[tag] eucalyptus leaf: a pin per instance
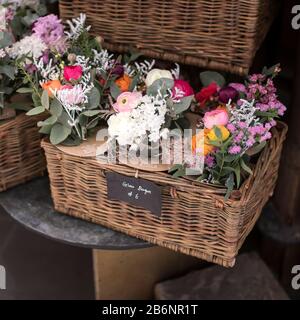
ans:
(161, 85)
(94, 98)
(35, 111)
(49, 121)
(8, 70)
(59, 133)
(24, 90)
(45, 129)
(45, 99)
(183, 105)
(114, 90)
(207, 77)
(56, 108)
(6, 39)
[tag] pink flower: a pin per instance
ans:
(127, 101)
(72, 72)
(234, 149)
(181, 89)
(218, 117)
(237, 86)
(70, 95)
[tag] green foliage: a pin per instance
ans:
(207, 77)
(162, 85)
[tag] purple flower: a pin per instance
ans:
(45, 57)
(30, 68)
(227, 93)
(231, 127)
(50, 30)
(250, 142)
(266, 136)
(238, 86)
(234, 150)
(118, 69)
(210, 161)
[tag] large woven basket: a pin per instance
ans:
(195, 219)
(214, 34)
(21, 156)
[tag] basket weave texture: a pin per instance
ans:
(21, 156)
(214, 34)
(195, 219)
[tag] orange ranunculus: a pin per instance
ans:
(198, 139)
(51, 85)
(124, 82)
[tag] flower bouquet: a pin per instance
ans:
(237, 121)
(21, 155)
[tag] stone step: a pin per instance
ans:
(249, 279)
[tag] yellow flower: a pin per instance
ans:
(224, 134)
(198, 139)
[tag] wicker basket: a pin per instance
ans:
(195, 220)
(21, 156)
(214, 34)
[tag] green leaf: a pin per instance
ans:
(207, 77)
(229, 184)
(45, 99)
(24, 90)
(6, 39)
(270, 71)
(8, 70)
(56, 108)
(237, 171)
(94, 98)
(175, 167)
(256, 149)
(36, 99)
(179, 173)
(59, 133)
(35, 111)
(230, 158)
(183, 105)
(114, 90)
(91, 113)
(245, 167)
(49, 121)
(133, 83)
(218, 133)
(162, 85)
(45, 129)
(134, 55)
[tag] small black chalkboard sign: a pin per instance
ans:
(139, 192)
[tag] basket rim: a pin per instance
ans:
(218, 191)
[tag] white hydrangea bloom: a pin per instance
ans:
(30, 46)
(147, 119)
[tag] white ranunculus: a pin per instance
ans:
(119, 128)
(156, 74)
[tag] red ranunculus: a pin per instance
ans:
(182, 87)
(72, 72)
(206, 93)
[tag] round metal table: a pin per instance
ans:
(119, 271)
(31, 205)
